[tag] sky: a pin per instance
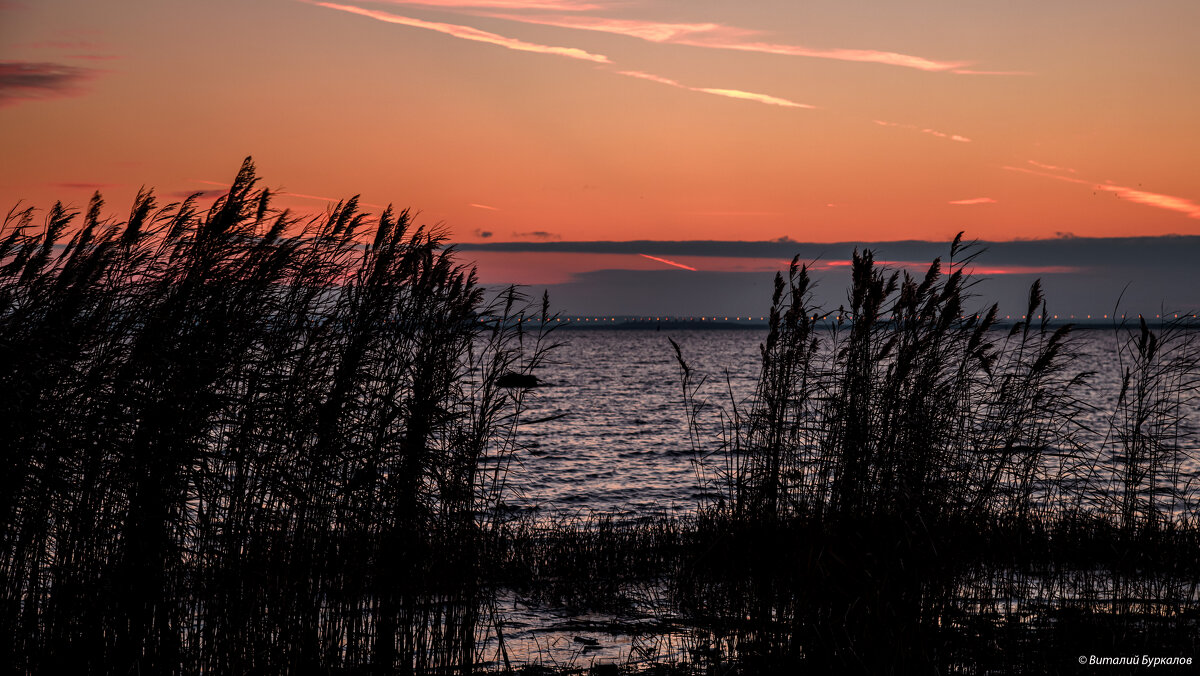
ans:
(841, 123)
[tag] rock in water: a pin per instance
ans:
(512, 379)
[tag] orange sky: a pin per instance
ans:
(637, 119)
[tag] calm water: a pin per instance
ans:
(623, 443)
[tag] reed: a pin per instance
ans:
(241, 442)
(915, 471)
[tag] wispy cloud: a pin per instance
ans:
(751, 96)
(729, 93)
(668, 262)
(28, 80)
(552, 5)
(720, 36)
(924, 130)
(973, 200)
(483, 206)
(1050, 167)
(1150, 199)
(468, 33)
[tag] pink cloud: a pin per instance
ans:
(653, 78)
(730, 93)
(1050, 167)
(719, 36)
(1150, 199)
(931, 132)
(952, 137)
(468, 33)
(552, 5)
(974, 200)
(483, 206)
(760, 98)
(29, 80)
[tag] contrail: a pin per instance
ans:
(663, 260)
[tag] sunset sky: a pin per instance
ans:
(600, 121)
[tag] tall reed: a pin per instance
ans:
(238, 441)
(904, 448)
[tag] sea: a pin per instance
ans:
(617, 438)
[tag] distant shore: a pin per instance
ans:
(723, 324)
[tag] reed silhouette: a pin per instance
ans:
(916, 488)
(238, 442)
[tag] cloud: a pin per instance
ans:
(483, 234)
(1169, 202)
(468, 33)
(29, 80)
(750, 96)
(974, 200)
(668, 262)
(1050, 167)
(538, 235)
(931, 132)
(952, 137)
(552, 5)
(483, 206)
(719, 36)
(729, 93)
(1171, 254)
